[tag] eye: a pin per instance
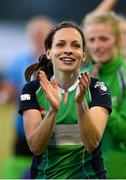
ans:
(76, 45)
(60, 44)
(91, 40)
(103, 38)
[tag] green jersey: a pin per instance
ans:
(65, 156)
(113, 74)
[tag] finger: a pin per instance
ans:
(85, 79)
(84, 82)
(43, 79)
(87, 74)
(82, 91)
(81, 88)
(54, 84)
(42, 75)
(45, 84)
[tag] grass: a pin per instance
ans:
(7, 133)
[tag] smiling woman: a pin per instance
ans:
(63, 123)
(66, 54)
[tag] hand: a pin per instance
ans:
(51, 91)
(82, 88)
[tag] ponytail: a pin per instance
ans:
(44, 64)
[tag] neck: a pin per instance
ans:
(66, 80)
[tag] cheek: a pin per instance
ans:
(80, 54)
(110, 46)
(53, 53)
(56, 52)
(112, 42)
(90, 46)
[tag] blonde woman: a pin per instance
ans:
(102, 33)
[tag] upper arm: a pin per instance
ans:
(100, 95)
(101, 104)
(31, 119)
(29, 108)
(100, 115)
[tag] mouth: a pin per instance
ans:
(99, 53)
(67, 60)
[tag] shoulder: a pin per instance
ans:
(31, 86)
(97, 85)
(28, 96)
(34, 84)
(100, 94)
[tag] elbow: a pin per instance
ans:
(92, 143)
(91, 146)
(35, 150)
(34, 147)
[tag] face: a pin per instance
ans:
(67, 50)
(37, 33)
(101, 43)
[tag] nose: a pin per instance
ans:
(68, 50)
(96, 44)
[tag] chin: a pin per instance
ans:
(102, 61)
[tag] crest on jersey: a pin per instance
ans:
(101, 85)
(25, 97)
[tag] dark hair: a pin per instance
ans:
(45, 64)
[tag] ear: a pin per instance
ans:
(84, 57)
(48, 54)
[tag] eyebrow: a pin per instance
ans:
(75, 41)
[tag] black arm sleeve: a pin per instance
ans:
(100, 95)
(28, 97)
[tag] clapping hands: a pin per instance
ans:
(51, 91)
(84, 81)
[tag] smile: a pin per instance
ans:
(67, 59)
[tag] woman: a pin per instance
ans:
(62, 131)
(102, 32)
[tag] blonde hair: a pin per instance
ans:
(109, 18)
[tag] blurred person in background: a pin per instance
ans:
(103, 38)
(37, 29)
(104, 6)
(107, 5)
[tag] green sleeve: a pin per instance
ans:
(117, 121)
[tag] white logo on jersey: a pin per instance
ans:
(101, 85)
(25, 97)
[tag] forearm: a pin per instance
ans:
(89, 133)
(40, 136)
(106, 5)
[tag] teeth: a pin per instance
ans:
(67, 59)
